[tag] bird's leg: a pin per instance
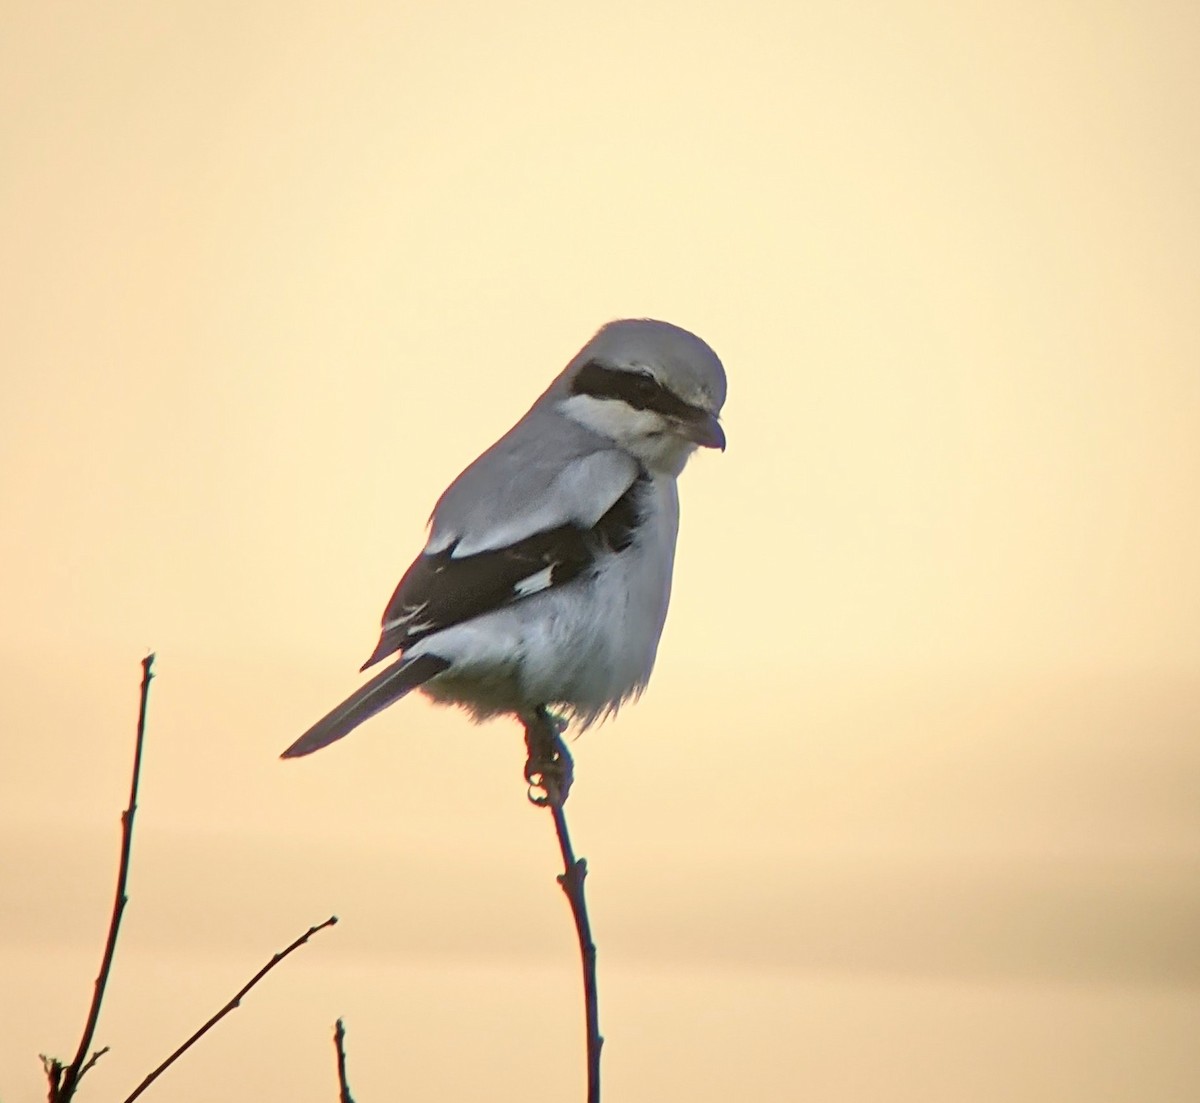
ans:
(549, 769)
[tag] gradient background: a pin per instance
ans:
(912, 808)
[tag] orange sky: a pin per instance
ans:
(909, 811)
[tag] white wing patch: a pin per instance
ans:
(440, 541)
(535, 582)
(406, 614)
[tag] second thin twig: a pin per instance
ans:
(230, 1006)
(64, 1081)
(339, 1044)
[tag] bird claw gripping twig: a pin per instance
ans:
(549, 769)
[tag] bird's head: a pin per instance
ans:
(652, 388)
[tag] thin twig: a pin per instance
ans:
(339, 1043)
(93, 1059)
(549, 769)
(65, 1079)
(230, 1006)
(53, 1068)
(571, 879)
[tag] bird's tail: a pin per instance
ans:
(390, 684)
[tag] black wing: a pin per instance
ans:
(438, 591)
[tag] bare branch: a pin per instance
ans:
(339, 1042)
(230, 1006)
(92, 1060)
(64, 1079)
(549, 772)
(571, 879)
(53, 1068)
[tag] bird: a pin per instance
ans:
(546, 576)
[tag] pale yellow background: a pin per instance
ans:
(912, 809)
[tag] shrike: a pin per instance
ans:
(545, 579)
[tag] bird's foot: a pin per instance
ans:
(549, 769)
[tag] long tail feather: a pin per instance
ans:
(390, 684)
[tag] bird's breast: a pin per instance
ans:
(597, 644)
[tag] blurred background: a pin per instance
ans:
(911, 810)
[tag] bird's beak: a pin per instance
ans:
(705, 430)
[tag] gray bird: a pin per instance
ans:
(547, 573)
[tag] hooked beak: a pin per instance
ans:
(705, 430)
